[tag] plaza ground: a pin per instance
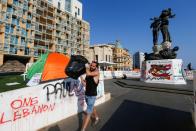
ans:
(135, 106)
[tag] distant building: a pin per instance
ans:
(138, 58)
(122, 57)
(111, 56)
(103, 54)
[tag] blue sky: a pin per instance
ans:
(128, 21)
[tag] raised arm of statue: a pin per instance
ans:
(172, 16)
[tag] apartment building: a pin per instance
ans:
(29, 28)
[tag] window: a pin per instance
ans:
(12, 30)
(78, 11)
(106, 58)
(9, 9)
(59, 5)
(75, 14)
(7, 28)
(22, 41)
(96, 57)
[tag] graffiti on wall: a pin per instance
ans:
(159, 72)
(24, 107)
(46, 98)
(66, 88)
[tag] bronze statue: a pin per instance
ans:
(164, 17)
(155, 29)
(163, 51)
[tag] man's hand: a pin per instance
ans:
(87, 65)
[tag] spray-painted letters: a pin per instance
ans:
(23, 108)
(69, 87)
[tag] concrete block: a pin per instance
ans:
(168, 71)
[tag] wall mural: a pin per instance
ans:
(161, 71)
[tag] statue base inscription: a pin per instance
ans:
(168, 71)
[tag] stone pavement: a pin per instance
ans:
(133, 109)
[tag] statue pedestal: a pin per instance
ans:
(167, 71)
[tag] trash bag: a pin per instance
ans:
(76, 66)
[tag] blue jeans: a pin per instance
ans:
(90, 101)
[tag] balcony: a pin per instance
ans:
(20, 5)
(33, 27)
(13, 51)
(58, 34)
(18, 32)
(24, 34)
(41, 47)
(59, 28)
(14, 22)
(23, 43)
(29, 17)
(7, 40)
(2, 30)
(4, 2)
(28, 26)
(30, 1)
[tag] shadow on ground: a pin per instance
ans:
(54, 128)
(134, 116)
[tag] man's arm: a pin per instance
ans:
(89, 73)
(83, 81)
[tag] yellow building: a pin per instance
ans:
(122, 58)
(29, 28)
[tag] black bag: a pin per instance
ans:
(76, 66)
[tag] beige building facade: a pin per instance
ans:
(103, 54)
(29, 28)
(111, 56)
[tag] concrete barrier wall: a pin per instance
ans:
(168, 71)
(188, 75)
(32, 108)
(119, 74)
(132, 74)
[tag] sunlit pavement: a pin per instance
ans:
(132, 109)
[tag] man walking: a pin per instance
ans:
(91, 82)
